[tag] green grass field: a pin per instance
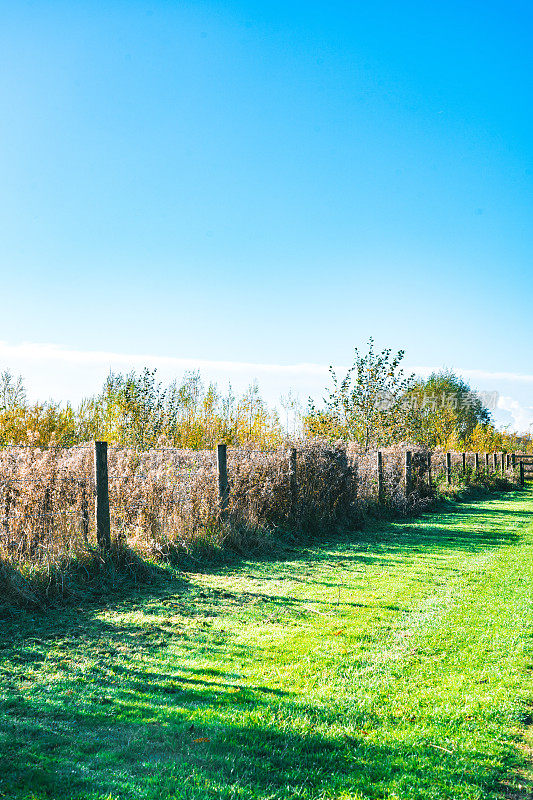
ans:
(394, 663)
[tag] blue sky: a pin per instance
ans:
(266, 183)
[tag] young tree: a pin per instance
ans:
(12, 391)
(129, 410)
(366, 405)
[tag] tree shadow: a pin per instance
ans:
(145, 742)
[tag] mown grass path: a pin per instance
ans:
(394, 663)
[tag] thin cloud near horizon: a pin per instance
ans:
(35, 351)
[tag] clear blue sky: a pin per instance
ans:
(269, 182)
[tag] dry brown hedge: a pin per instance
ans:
(165, 501)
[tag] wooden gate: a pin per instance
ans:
(527, 460)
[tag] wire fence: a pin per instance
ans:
(55, 502)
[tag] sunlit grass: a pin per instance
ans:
(391, 665)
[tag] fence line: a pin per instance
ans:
(410, 471)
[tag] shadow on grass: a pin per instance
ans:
(140, 743)
(84, 577)
(109, 720)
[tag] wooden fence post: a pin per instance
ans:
(522, 479)
(487, 463)
(495, 461)
(408, 471)
(429, 472)
(103, 523)
(293, 481)
(7, 505)
(223, 486)
(503, 464)
(476, 463)
(448, 468)
(380, 476)
(84, 513)
(513, 460)
(464, 463)
(47, 511)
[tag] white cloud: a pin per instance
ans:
(51, 352)
(61, 373)
(522, 415)
(31, 351)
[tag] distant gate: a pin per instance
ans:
(527, 461)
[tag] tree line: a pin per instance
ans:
(375, 404)
(136, 410)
